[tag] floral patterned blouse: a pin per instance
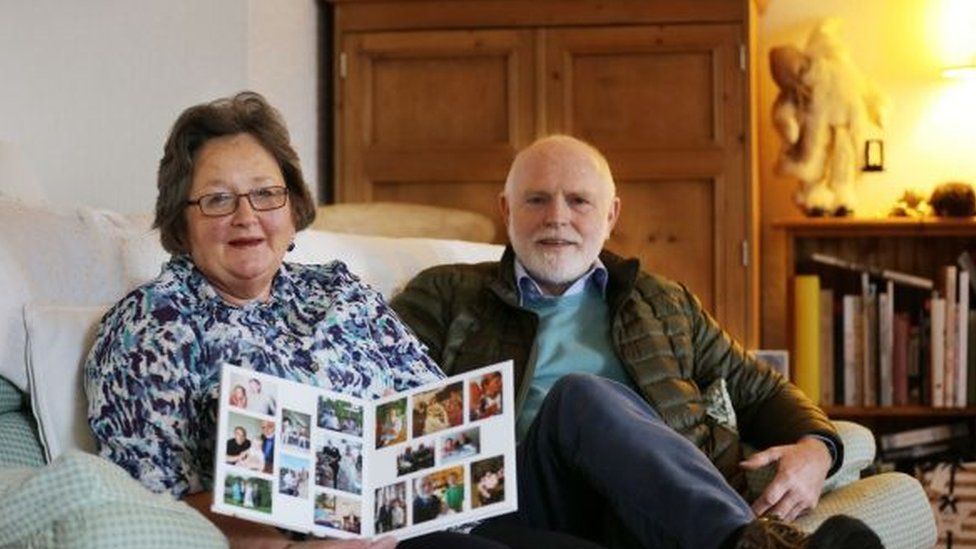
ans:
(153, 374)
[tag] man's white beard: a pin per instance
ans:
(555, 267)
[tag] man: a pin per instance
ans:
(258, 401)
(454, 493)
(426, 504)
(611, 368)
(268, 444)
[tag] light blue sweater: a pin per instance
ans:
(573, 336)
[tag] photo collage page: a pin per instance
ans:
(314, 461)
(289, 454)
(441, 453)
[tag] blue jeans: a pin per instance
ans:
(596, 449)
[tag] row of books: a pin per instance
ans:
(946, 440)
(871, 337)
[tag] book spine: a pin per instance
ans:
(895, 276)
(838, 360)
(901, 326)
(885, 346)
(853, 357)
(869, 342)
(806, 336)
(971, 360)
(826, 368)
(962, 340)
(923, 435)
(949, 387)
(937, 351)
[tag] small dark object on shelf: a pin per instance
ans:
(953, 199)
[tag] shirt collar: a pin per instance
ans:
(529, 289)
(282, 287)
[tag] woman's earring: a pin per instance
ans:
(291, 246)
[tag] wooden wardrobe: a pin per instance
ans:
(433, 98)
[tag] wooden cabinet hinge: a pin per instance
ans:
(342, 65)
(745, 253)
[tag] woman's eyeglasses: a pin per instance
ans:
(224, 203)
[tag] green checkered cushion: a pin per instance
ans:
(82, 501)
(20, 447)
(11, 399)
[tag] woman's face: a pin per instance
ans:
(239, 435)
(241, 252)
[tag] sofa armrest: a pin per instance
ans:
(894, 505)
(859, 450)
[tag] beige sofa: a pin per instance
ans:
(60, 267)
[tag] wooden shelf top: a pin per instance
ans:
(890, 226)
(851, 412)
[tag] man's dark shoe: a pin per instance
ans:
(844, 532)
(770, 533)
(837, 532)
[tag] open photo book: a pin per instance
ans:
(315, 461)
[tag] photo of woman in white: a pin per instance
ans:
(244, 448)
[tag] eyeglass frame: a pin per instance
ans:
(237, 202)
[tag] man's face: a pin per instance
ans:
(494, 385)
(558, 211)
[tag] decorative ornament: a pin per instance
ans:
(911, 204)
(824, 107)
(953, 199)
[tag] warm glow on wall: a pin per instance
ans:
(950, 118)
(957, 38)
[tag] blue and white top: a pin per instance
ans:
(153, 375)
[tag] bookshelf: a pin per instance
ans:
(913, 246)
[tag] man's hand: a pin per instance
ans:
(799, 477)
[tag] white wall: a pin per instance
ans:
(90, 89)
(282, 64)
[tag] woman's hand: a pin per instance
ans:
(385, 542)
(246, 534)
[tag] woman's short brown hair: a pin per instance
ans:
(247, 112)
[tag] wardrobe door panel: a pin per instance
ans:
(666, 105)
(434, 114)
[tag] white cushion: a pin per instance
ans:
(53, 255)
(58, 340)
(386, 263)
(142, 257)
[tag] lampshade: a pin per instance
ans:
(966, 72)
(17, 179)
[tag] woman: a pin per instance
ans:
(238, 446)
(391, 430)
(249, 494)
(238, 397)
(230, 199)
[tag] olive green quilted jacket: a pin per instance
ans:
(468, 316)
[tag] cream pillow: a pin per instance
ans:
(58, 340)
(386, 263)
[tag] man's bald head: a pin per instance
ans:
(560, 151)
(559, 206)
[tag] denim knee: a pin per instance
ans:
(576, 385)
